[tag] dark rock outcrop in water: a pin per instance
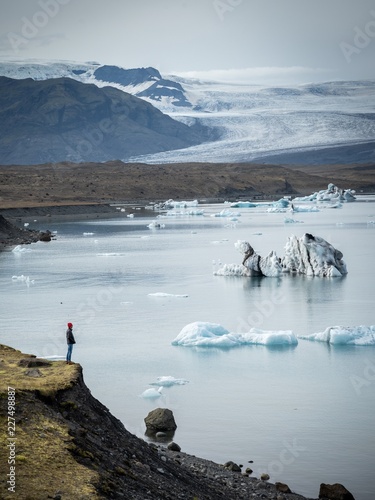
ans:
(11, 235)
(65, 120)
(70, 446)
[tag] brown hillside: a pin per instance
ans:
(90, 183)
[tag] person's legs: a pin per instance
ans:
(69, 353)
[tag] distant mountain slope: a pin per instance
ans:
(153, 86)
(65, 120)
(313, 123)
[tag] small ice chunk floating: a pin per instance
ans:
(309, 255)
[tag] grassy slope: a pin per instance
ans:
(44, 462)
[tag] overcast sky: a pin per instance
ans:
(257, 41)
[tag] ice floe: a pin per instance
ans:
(23, 279)
(206, 334)
(243, 204)
(289, 220)
(169, 381)
(344, 335)
(21, 249)
(170, 204)
(332, 194)
(152, 393)
(156, 225)
(162, 294)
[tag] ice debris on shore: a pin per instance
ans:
(206, 334)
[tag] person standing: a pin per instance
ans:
(70, 341)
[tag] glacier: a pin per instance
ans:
(248, 121)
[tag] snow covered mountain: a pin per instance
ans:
(331, 122)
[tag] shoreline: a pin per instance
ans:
(94, 452)
(12, 220)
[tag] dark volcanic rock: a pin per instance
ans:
(160, 419)
(334, 492)
(65, 120)
(125, 77)
(11, 235)
(135, 76)
(282, 487)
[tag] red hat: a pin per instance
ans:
(70, 325)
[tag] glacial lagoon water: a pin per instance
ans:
(303, 413)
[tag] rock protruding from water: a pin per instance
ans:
(232, 466)
(174, 446)
(160, 420)
(334, 492)
(282, 487)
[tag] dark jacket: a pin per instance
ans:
(70, 337)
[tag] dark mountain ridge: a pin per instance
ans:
(138, 76)
(65, 120)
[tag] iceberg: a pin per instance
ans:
(243, 204)
(309, 255)
(206, 334)
(156, 225)
(167, 205)
(289, 220)
(151, 393)
(313, 256)
(226, 213)
(344, 335)
(168, 381)
(331, 194)
(255, 264)
(162, 294)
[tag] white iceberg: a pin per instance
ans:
(168, 381)
(152, 393)
(23, 279)
(289, 220)
(243, 204)
(232, 270)
(313, 256)
(206, 334)
(184, 213)
(226, 213)
(21, 249)
(177, 204)
(255, 264)
(331, 194)
(344, 335)
(156, 225)
(307, 208)
(309, 255)
(162, 294)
